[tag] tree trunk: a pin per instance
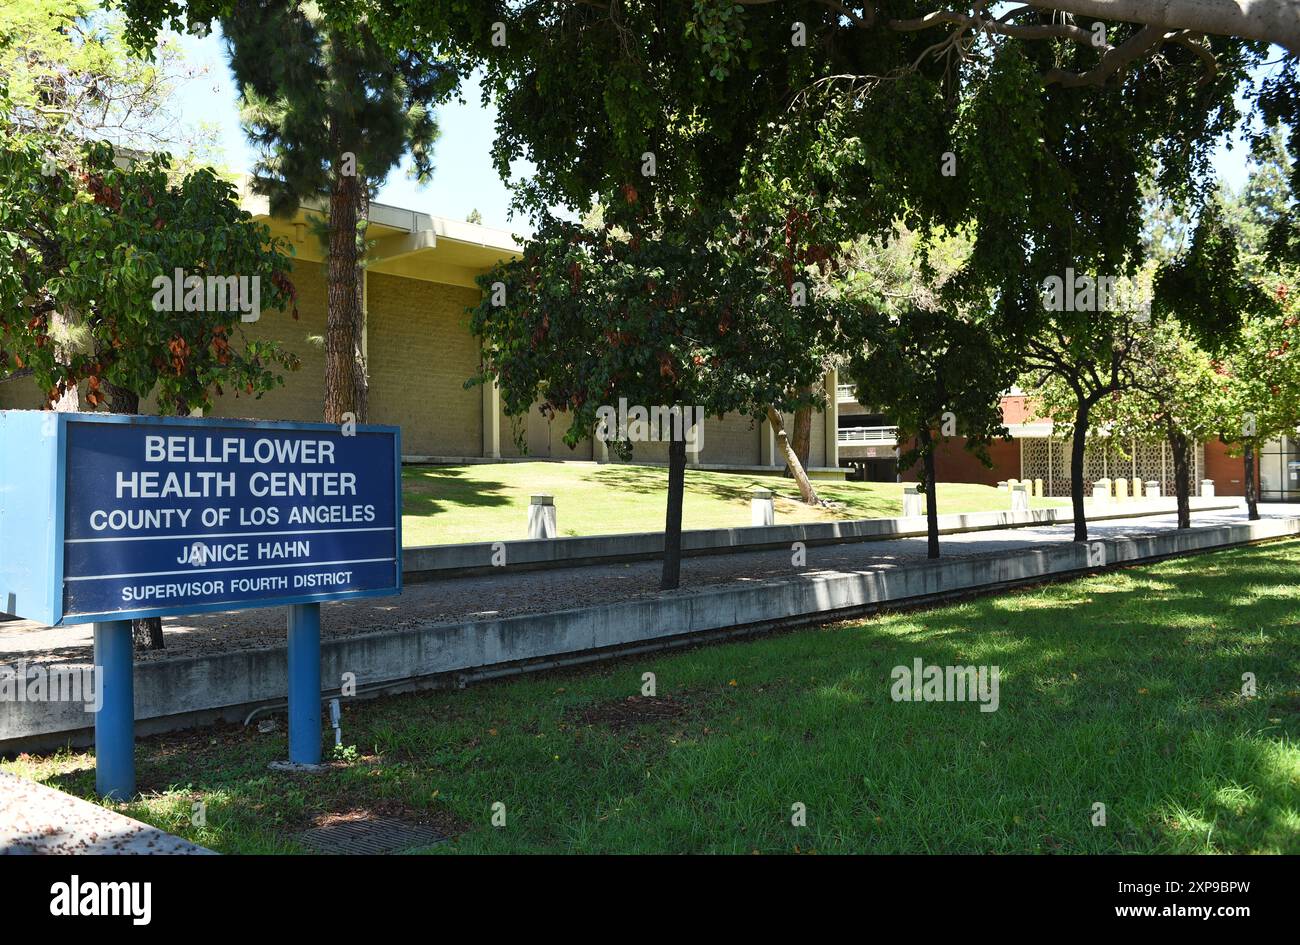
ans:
(343, 300)
(1182, 479)
(361, 370)
(672, 572)
(60, 323)
(1078, 446)
(147, 633)
(801, 435)
(806, 491)
(1252, 489)
(121, 400)
(931, 503)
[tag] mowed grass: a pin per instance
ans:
(1123, 689)
(489, 502)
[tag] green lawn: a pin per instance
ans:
(1122, 689)
(480, 502)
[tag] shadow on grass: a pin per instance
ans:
(1122, 689)
(653, 480)
(428, 490)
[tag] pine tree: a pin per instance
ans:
(332, 112)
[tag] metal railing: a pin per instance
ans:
(867, 435)
(844, 392)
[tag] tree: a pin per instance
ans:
(332, 112)
(683, 315)
(91, 242)
(1257, 395)
(1030, 129)
(1081, 358)
(89, 294)
(1259, 384)
(72, 76)
(934, 366)
(1169, 394)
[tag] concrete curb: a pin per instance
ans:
(39, 819)
(432, 562)
(179, 693)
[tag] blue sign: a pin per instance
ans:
(151, 516)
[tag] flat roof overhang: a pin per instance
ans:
(404, 242)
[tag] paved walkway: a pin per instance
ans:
(38, 819)
(504, 594)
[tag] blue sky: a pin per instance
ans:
(464, 178)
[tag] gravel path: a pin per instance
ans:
(505, 594)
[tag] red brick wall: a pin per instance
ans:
(1017, 408)
(1228, 472)
(953, 463)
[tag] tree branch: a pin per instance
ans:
(1116, 59)
(1273, 21)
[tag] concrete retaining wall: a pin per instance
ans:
(430, 562)
(178, 693)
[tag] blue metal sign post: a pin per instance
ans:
(115, 719)
(304, 684)
(120, 518)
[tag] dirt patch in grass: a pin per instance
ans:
(441, 821)
(621, 714)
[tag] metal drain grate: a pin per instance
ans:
(369, 836)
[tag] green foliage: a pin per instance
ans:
(311, 94)
(1170, 389)
(1257, 391)
(689, 316)
(83, 244)
(922, 358)
(71, 75)
(1279, 106)
(1207, 286)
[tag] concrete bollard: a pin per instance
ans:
(1137, 488)
(1121, 488)
(762, 508)
(1020, 497)
(912, 504)
(541, 516)
(1207, 488)
(1101, 490)
(1153, 488)
(1038, 488)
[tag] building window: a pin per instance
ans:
(1279, 470)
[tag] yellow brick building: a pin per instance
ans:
(418, 285)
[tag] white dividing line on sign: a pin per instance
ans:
(308, 531)
(254, 567)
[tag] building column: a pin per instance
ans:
(832, 419)
(491, 421)
(365, 321)
(767, 452)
